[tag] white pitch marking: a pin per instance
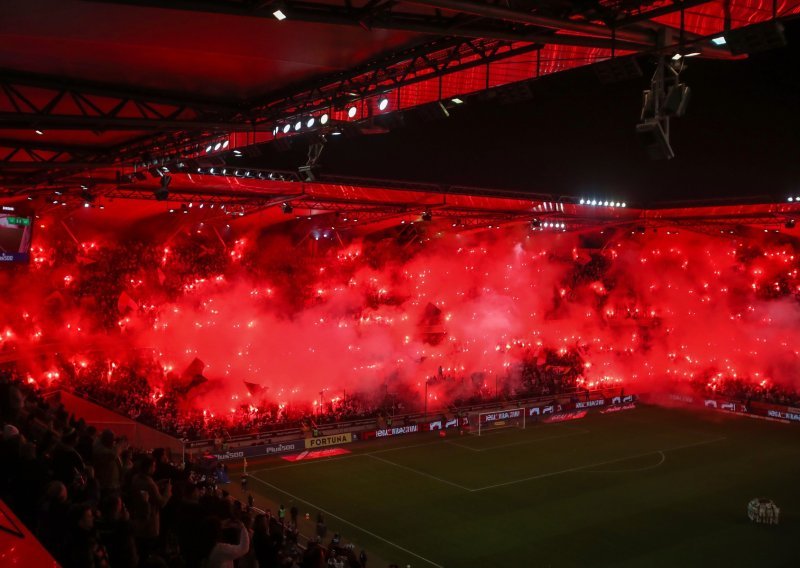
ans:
(638, 469)
(365, 531)
(418, 472)
(580, 467)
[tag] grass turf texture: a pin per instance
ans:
(645, 487)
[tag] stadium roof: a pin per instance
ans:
(97, 93)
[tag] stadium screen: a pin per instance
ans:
(15, 235)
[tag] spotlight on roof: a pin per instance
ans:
(279, 15)
(324, 119)
(287, 128)
(217, 146)
(790, 223)
(209, 148)
(383, 104)
(427, 216)
(39, 132)
(719, 40)
(287, 208)
(310, 122)
(457, 101)
(226, 144)
(298, 125)
(351, 112)
(276, 130)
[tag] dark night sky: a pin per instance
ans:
(739, 138)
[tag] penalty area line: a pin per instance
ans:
(362, 529)
(597, 464)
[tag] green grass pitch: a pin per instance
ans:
(645, 487)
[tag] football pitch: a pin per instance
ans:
(644, 487)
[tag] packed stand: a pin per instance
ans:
(93, 501)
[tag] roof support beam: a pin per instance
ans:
(14, 120)
(507, 14)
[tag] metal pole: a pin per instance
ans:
(426, 399)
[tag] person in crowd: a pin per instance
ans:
(221, 554)
(116, 531)
(147, 498)
(85, 548)
(68, 466)
(265, 551)
(107, 463)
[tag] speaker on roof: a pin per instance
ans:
(759, 37)
(654, 140)
(677, 100)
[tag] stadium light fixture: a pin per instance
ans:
(225, 144)
(719, 40)
(209, 148)
(323, 120)
(287, 208)
(310, 122)
(217, 146)
(351, 112)
(383, 104)
(298, 125)
(457, 101)
(39, 132)
(287, 128)
(692, 54)
(279, 14)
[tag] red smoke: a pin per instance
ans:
(376, 317)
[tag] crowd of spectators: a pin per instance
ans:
(747, 391)
(93, 501)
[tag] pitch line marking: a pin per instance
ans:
(577, 432)
(645, 468)
(365, 531)
(418, 472)
(597, 464)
